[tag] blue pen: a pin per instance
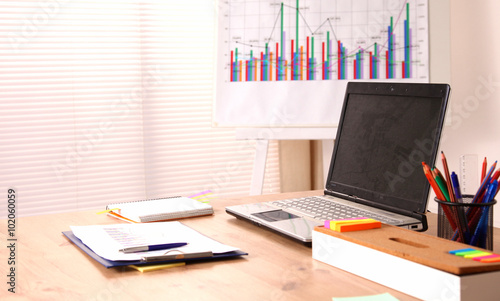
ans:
(482, 225)
(153, 247)
(464, 226)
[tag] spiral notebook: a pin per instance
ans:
(162, 209)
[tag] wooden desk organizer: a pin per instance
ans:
(412, 262)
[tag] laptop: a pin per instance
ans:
(385, 132)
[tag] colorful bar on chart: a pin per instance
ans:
(308, 61)
(326, 66)
(374, 62)
(358, 65)
(323, 61)
(342, 61)
(292, 54)
(391, 58)
(312, 65)
(407, 37)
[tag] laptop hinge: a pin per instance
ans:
(423, 218)
(340, 195)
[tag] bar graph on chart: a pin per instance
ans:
(295, 57)
(325, 40)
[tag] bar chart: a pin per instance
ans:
(286, 63)
(325, 40)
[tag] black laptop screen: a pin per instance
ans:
(385, 133)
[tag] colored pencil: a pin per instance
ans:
(459, 221)
(439, 194)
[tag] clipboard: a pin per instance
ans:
(169, 257)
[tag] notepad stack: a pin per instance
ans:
(155, 210)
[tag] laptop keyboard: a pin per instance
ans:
(323, 209)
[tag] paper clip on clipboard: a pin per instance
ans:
(179, 255)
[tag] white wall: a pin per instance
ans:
(474, 76)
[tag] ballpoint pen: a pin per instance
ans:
(460, 209)
(153, 247)
(479, 237)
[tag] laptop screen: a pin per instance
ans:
(386, 131)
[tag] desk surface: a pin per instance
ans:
(50, 267)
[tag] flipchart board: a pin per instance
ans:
(286, 63)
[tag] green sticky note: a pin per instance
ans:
(476, 254)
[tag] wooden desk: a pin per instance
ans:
(50, 267)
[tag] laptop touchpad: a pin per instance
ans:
(274, 216)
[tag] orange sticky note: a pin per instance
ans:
(491, 259)
(328, 223)
(358, 226)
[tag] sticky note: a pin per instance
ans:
(352, 224)
(479, 258)
(491, 259)
(334, 223)
(328, 223)
(476, 254)
(461, 250)
(149, 268)
(357, 226)
(463, 253)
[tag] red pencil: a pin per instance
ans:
(432, 181)
(483, 171)
(439, 195)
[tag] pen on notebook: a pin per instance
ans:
(153, 247)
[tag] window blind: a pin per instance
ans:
(109, 101)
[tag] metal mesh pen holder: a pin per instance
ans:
(479, 219)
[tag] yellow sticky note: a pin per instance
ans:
(335, 223)
(155, 267)
(476, 254)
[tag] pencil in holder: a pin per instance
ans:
(466, 222)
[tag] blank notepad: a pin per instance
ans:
(162, 209)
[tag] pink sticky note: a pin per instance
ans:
(479, 258)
